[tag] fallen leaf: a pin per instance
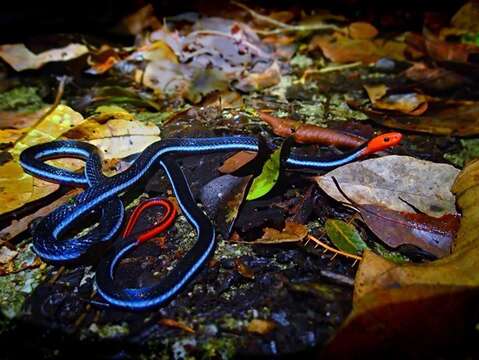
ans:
(7, 255)
(176, 324)
(102, 60)
(292, 232)
(440, 119)
(222, 198)
(265, 181)
(466, 17)
(342, 49)
(257, 81)
(362, 30)
(18, 188)
(237, 161)
(16, 227)
(50, 128)
(434, 78)
(244, 270)
(115, 133)
(392, 301)
(408, 103)
(394, 228)
(260, 326)
(20, 58)
(383, 181)
(345, 236)
(19, 119)
(204, 82)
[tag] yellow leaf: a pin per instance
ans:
(118, 137)
(18, 188)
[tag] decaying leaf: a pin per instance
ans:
(20, 58)
(434, 235)
(409, 103)
(385, 181)
(342, 49)
(392, 300)
(292, 232)
(447, 119)
(345, 236)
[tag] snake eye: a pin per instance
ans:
(386, 139)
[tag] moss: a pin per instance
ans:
(327, 108)
(23, 98)
(222, 348)
(469, 151)
(110, 331)
(14, 288)
(301, 61)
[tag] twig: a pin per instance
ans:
(283, 27)
(330, 248)
(342, 279)
(57, 275)
(261, 17)
(327, 70)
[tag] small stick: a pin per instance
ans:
(335, 251)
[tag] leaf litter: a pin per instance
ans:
(331, 83)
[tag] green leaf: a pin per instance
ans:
(265, 181)
(345, 236)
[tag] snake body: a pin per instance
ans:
(102, 194)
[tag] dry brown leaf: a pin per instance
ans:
(342, 49)
(382, 181)
(256, 81)
(362, 30)
(292, 232)
(466, 17)
(176, 324)
(261, 327)
(396, 303)
(456, 119)
(410, 103)
(20, 120)
(20, 58)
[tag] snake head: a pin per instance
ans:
(382, 142)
